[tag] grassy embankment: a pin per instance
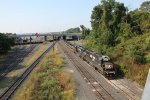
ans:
(132, 58)
(47, 82)
(18, 70)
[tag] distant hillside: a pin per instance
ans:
(73, 30)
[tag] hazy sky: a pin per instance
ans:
(25, 16)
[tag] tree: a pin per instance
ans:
(85, 31)
(5, 42)
(105, 20)
(111, 24)
(73, 30)
(145, 6)
(135, 54)
(124, 33)
(142, 19)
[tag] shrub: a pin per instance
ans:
(148, 58)
(121, 70)
(134, 54)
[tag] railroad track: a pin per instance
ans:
(14, 62)
(121, 87)
(10, 90)
(124, 89)
(100, 92)
(130, 94)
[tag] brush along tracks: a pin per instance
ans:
(7, 94)
(100, 92)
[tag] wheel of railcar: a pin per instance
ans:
(83, 58)
(95, 68)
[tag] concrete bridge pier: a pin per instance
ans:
(45, 38)
(53, 37)
(30, 39)
(78, 38)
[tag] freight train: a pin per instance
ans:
(101, 63)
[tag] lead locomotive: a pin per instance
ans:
(102, 63)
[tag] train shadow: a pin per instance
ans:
(6, 82)
(120, 73)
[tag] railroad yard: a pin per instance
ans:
(89, 83)
(74, 50)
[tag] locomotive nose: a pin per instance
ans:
(108, 66)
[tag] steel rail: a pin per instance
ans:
(8, 92)
(100, 92)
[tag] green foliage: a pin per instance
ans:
(142, 19)
(123, 35)
(111, 24)
(148, 58)
(73, 30)
(121, 70)
(134, 54)
(146, 45)
(145, 6)
(5, 42)
(85, 31)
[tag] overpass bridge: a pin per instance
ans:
(49, 34)
(54, 35)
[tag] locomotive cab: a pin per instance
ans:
(109, 69)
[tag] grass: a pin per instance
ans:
(47, 82)
(37, 53)
(66, 84)
(14, 73)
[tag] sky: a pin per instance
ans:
(31, 16)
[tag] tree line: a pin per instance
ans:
(122, 34)
(112, 23)
(6, 41)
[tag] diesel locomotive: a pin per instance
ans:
(101, 63)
